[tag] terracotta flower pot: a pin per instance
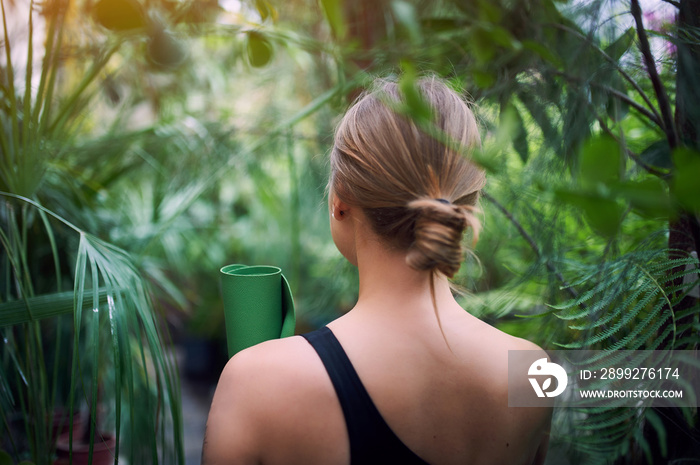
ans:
(102, 454)
(60, 423)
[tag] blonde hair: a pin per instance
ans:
(418, 190)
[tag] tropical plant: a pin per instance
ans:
(97, 201)
(108, 359)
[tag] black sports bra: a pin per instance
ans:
(371, 440)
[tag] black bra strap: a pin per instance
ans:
(371, 438)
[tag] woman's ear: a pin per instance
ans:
(339, 209)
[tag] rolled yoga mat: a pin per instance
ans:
(258, 305)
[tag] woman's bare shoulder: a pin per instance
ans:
(274, 358)
(495, 343)
(497, 349)
(524, 429)
(263, 392)
(274, 373)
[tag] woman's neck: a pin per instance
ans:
(389, 285)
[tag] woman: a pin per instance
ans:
(407, 376)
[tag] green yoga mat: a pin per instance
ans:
(258, 305)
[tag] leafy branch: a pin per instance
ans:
(531, 242)
(652, 116)
(615, 63)
(633, 156)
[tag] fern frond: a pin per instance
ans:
(627, 304)
(632, 292)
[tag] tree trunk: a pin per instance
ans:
(685, 229)
(366, 26)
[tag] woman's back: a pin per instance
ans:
(449, 404)
(401, 199)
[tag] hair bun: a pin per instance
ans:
(439, 229)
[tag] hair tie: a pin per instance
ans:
(445, 201)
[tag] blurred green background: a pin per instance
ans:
(147, 143)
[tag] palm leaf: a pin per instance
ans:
(115, 333)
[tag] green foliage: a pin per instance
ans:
(510, 116)
(414, 105)
(625, 304)
(55, 172)
(405, 15)
(259, 49)
(334, 14)
(266, 10)
(164, 50)
(685, 186)
(119, 15)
